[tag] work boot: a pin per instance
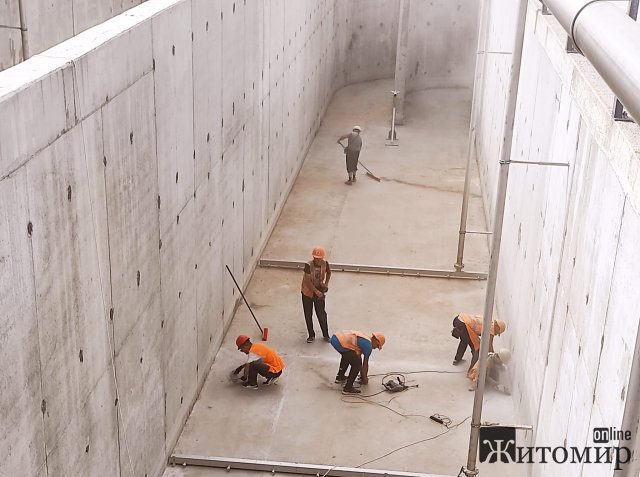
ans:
(327, 339)
(310, 339)
(271, 381)
(249, 386)
(340, 379)
(457, 361)
(354, 177)
(348, 182)
(347, 391)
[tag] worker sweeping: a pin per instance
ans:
(355, 348)
(496, 372)
(352, 152)
(261, 360)
(315, 285)
(468, 330)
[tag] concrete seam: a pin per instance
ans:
(110, 333)
(155, 119)
(606, 314)
(35, 306)
(557, 287)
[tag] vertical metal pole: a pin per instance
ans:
(505, 159)
(633, 9)
(23, 31)
(479, 72)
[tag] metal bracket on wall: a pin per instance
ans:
(571, 46)
(286, 467)
(545, 9)
(379, 270)
(619, 113)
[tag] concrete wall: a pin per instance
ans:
(442, 44)
(48, 23)
(142, 156)
(567, 284)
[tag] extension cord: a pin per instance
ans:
(436, 419)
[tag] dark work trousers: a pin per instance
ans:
(307, 305)
(261, 368)
(465, 341)
(349, 358)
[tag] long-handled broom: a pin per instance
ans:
(265, 331)
(369, 173)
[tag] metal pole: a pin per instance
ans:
(479, 72)
(505, 158)
(610, 40)
(631, 416)
(23, 31)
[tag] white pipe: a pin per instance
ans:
(501, 195)
(610, 40)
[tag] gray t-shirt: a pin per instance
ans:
(354, 142)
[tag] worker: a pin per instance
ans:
(261, 360)
(468, 330)
(355, 348)
(496, 372)
(315, 285)
(352, 152)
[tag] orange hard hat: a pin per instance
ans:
(240, 340)
(380, 337)
(499, 327)
(318, 252)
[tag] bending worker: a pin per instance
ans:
(352, 152)
(496, 372)
(468, 330)
(352, 345)
(261, 360)
(315, 284)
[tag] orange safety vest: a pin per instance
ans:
(306, 291)
(269, 357)
(349, 340)
(474, 327)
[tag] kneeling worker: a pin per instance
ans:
(351, 345)
(261, 360)
(496, 372)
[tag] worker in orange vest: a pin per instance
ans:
(261, 360)
(496, 372)
(355, 348)
(468, 330)
(315, 285)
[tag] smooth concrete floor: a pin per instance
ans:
(409, 219)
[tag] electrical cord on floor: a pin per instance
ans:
(435, 371)
(449, 428)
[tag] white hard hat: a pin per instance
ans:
(504, 355)
(357, 128)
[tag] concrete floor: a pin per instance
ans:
(409, 219)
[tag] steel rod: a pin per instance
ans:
(538, 163)
(288, 467)
(483, 19)
(379, 269)
(501, 195)
(23, 31)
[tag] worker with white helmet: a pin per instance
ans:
(468, 329)
(315, 285)
(496, 372)
(352, 152)
(355, 348)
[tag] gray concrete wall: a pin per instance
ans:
(141, 157)
(442, 44)
(567, 284)
(48, 23)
